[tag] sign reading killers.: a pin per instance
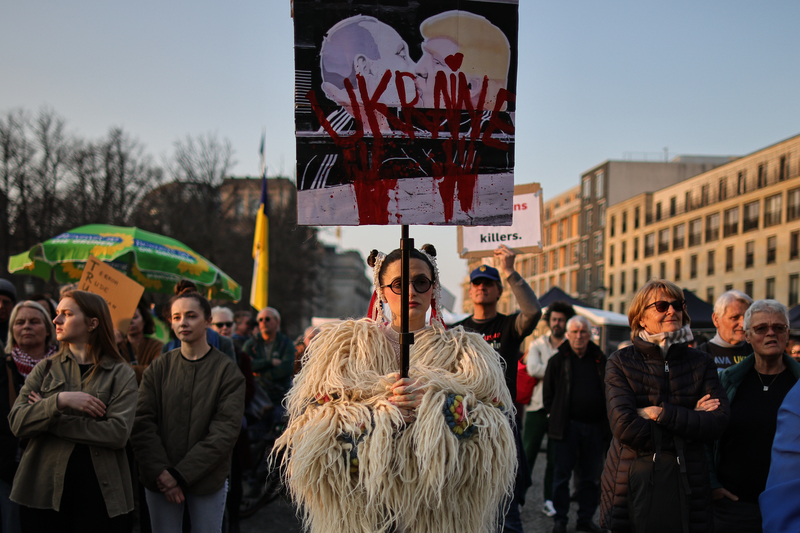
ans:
(405, 111)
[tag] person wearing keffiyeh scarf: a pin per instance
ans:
(31, 338)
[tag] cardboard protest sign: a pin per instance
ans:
(404, 112)
(120, 292)
(524, 235)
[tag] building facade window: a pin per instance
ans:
(794, 289)
(731, 222)
(687, 201)
(695, 232)
(729, 259)
(622, 283)
(693, 267)
(794, 245)
(587, 279)
(762, 176)
(712, 227)
(648, 273)
(748, 288)
(710, 263)
(793, 205)
(624, 222)
(741, 183)
(636, 214)
(677, 275)
(601, 215)
(704, 195)
(611, 284)
(611, 255)
(636, 248)
(772, 210)
(783, 170)
(772, 249)
(598, 245)
(749, 254)
(635, 279)
(662, 270)
(622, 308)
(649, 244)
(673, 206)
(663, 241)
(678, 237)
(722, 189)
(612, 224)
(750, 221)
(769, 291)
(658, 210)
(728, 287)
(585, 251)
(587, 220)
(622, 252)
(710, 295)
(587, 188)
(599, 184)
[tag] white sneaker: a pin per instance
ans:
(548, 509)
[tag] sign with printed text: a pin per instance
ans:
(120, 292)
(524, 235)
(405, 112)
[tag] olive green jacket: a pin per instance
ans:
(188, 419)
(39, 481)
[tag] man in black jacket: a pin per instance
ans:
(573, 396)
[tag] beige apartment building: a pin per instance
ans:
(736, 226)
(557, 265)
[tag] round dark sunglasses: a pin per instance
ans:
(421, 284)
(222, 324)
(662, 305)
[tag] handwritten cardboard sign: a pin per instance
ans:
(405, 113)
(120, 292)
(524, 235)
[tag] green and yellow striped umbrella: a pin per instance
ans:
(155, 261)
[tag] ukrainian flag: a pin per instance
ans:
(260, 285)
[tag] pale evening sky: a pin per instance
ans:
(597, 80)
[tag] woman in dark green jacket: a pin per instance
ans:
(77, 409)
(191, 403)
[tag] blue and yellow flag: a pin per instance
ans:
(260, 285)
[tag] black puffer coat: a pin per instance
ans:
(635, 378)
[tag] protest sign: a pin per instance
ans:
(120, 292)
(524, 235)
(404, 113)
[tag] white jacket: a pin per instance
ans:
(538, 354)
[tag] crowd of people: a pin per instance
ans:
(663, 434)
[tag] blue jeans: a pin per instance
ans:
(205, 512)
(581, 446)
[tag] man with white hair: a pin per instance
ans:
(729, 345)
(272, 354)
(574, 396)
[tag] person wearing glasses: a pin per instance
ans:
(572, 395)
(272, 354)
(793, 349)
(756, 388)
(367, 450)
(660, 386)
(505, 334)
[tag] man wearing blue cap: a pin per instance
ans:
(505, 334)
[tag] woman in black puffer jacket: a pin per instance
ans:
(660, 379)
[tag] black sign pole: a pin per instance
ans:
(406, 337)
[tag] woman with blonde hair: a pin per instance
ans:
(367, 450)
(77, 409)
(665, 403)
